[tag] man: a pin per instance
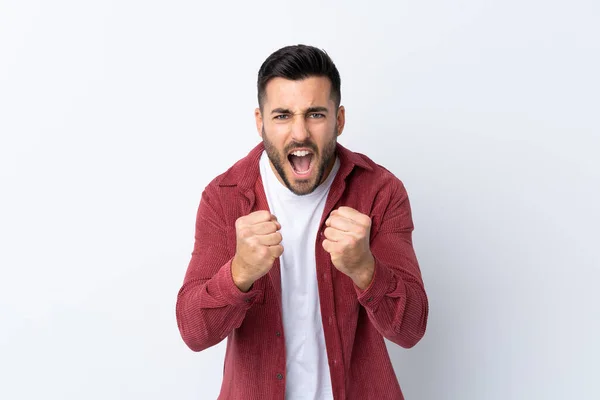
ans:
(303, 254)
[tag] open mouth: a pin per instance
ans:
(301, 162)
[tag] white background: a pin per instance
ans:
(114, 115)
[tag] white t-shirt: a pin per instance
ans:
(307, 367)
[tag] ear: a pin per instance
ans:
(259, 121)
(341, 120)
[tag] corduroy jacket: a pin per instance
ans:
(211, 308)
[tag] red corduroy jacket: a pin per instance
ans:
(211, 308)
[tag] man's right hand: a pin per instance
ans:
(258, 244)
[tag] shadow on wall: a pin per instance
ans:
(425, 371)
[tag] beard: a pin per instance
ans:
(323, 160)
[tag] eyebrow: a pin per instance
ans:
(308, 110)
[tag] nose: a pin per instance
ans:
(300, 131)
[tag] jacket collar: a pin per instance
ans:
(245, 172)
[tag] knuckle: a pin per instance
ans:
(263, 214)
(239, 222)
(262, 252)
(244, 232)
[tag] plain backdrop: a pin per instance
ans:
(114, 116)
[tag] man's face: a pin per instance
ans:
(299, 125)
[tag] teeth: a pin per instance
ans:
(300, 153)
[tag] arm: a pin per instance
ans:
(209, 304)
(395, 299)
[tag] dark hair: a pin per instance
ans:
(296, 63)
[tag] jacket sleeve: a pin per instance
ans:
(209, 304)
(395, 300)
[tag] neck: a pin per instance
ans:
(328, 169)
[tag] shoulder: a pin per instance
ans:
(383, 195)
(377, 177)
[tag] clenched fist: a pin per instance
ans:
(347, 241)
(258, 244)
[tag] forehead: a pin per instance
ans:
(298, 94)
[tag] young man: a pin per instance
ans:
(303, 253)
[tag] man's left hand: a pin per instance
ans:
(347, 241)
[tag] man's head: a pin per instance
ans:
(299, 116)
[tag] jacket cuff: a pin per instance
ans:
(230, 292)
(384, 282)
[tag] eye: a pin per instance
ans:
(281, 116)
(316, 115)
